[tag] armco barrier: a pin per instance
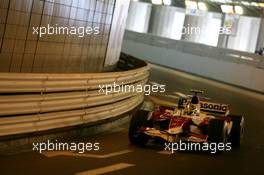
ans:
(32, 102)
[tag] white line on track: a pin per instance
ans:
(154, 83)
(106, 169)
(162, 102)
(172, 96)
(68, 153)
(165, 152)
(167, 95)
(180, 94)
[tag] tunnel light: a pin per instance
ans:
(227, 8)
(167, 2)
(239, 10)
(191, 4)
(245, 3)
(202, 6)
(254, 4)
(135, 0)
(156, 2)
(261, 5)
(222, 1)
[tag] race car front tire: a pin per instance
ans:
(237, 130)
(181, 103)
(139, 120)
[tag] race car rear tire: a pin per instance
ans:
(237, 130)
(217, 131)
(140, 119)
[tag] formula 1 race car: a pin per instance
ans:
(193, 120)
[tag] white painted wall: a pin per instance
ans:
(247, 35)
(117, 32)
(209, 24)
(138, 16)
(167, 21)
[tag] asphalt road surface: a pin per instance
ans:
(117, 156)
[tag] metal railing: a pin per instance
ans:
(36, 102)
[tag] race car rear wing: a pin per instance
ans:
(214, 107)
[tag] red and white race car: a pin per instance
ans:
(192, 120)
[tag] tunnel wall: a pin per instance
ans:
(209, 24)
(172, 22)
(138, 16)
(117, 32)
(233, 67)
(166, 21)
(23, 50)
(246, 36)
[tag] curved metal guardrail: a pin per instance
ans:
(32, 102)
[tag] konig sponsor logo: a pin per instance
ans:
(214, 106)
